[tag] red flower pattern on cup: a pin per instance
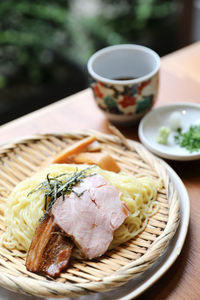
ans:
(128, 101)
(101, 83)
(97, 91)
(143, 85)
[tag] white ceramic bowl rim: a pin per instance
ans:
(120, 47)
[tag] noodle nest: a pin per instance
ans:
(24, 209)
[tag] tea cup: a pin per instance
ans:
(124, 81)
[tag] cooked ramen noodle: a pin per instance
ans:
(24, 209)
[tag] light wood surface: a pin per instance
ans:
(179, 82)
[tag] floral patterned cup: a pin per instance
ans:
(124, 81)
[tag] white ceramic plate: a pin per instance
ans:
(150, 124)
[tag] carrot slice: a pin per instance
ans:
(102, 159)
(72, 150)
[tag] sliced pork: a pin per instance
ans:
(50, 249)
(90, 214)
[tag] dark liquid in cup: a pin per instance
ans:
(124, 78)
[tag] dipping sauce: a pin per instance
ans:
(124, 78)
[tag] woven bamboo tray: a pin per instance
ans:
(22, 158)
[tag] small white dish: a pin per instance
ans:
(150, 124)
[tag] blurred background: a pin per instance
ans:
(45, 44)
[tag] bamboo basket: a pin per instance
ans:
(21, 159)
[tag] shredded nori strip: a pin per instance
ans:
(60, 186)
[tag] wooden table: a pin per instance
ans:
(179, 82)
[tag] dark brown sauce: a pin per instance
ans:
(124, 78)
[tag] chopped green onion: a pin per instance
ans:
(189, 139)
